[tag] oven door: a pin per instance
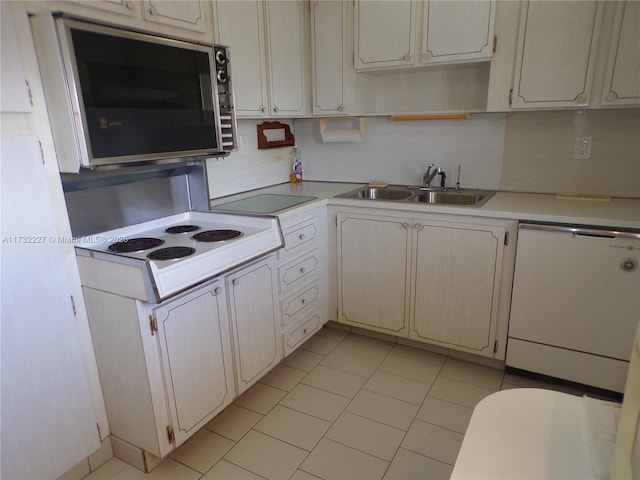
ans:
(140, 97)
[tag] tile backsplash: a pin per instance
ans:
(518, 151)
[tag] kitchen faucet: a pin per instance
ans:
(428, 177)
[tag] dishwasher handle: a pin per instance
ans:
(585, 231)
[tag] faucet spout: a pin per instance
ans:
(428, 177)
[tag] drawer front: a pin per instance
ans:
(296, 306)
(299, 335)
(297, 236)
(298, 271)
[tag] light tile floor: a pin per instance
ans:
(343, 406)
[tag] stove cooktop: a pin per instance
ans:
(183, 250)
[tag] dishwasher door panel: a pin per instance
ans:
(572, 291)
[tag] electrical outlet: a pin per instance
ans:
(582, 148)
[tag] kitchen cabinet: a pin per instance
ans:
(52, 407)
(451, 32)
(459, 31)
(253, 321)
(622, 75)
(190, 19)
(332, 74)
(431, 280)
(269, 44)
(556, 54)
(166, 369)
(302, 277)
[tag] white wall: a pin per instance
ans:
(518, 151)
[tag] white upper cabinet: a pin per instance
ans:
(184, 14)
(189, 19)
(448, 32)
(556, 54)
(622, 77)
(384, 34)
(460, 31)
(332, 74)
(269, 48)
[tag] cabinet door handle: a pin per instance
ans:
(580, 98)
(129, 5)
(217, 291)
(153, 11)
(275, 109)
(340, 108)
(407, 57)
(417, 225)
(426, 57)
(405, 225)
(235, 281)
(263, 109)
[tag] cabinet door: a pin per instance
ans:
(130, 8)
(330, 57)
(288, 56)
(373, 267)
(556, 54)
(241, 27)
(456, 283)
(187, 14)
(384, 34)
(195, 345)
(253, 320)
(622, 78)
(457, 31)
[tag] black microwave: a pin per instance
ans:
(119, 97)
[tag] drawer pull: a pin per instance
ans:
(301, 237)
(302, 301)
(304, 331)
(302, 270)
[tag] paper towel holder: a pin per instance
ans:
(342, 134)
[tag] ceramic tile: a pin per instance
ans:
(315, 402)
(202, 450)
(366, 346)
(234, 422)
(445, 414)
(321, 344)
(224, 470)
(302, 475)
(266, 456)
(458, 392)
(380, 408)
(330, 460)
(293, 427)
(408, 367)
(283, 377)
(260, 398)
(107, 470)
(472, 373)
(402, 388)
(303, 360)
(335, 381)
(365, 435)
(433, 441)
(168, 470)
(410, 465)
(351, 362)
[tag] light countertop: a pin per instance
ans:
(616, 212)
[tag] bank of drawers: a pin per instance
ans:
(299, 286)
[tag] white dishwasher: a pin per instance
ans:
(575, 303)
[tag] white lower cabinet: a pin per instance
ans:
(425, 279)
(167, 369)
(253, 322)
(302, 278)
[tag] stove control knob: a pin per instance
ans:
(629, 264)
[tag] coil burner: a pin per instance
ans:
(171, 253)
(216, 235)
(182, 229)
(135, 245)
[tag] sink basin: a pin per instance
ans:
(382, 193)
(452, 197)
(468, 197)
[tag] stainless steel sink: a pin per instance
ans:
(468, 197)
(382, 193)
